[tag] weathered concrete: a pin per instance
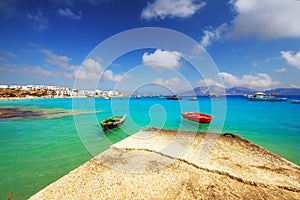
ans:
(171, 165)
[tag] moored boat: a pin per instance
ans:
(260, 96)
(197, 117)
(267, 99)
(247, 96)
(212, 96)
(112, 122)
(137, 96)
(175, 97)
(295, 101)
(193, 99)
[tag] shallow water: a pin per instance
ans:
(37, 151)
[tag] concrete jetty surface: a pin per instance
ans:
(165, 164)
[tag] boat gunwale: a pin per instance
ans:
(105, 125)
(197, 117)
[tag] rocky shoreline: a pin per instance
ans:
(165, 164)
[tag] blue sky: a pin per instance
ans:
(254, 43)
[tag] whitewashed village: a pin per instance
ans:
(44, 91)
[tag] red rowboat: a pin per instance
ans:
(198, 117)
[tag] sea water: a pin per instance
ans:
(37, 151)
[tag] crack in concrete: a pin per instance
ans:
(252, 183)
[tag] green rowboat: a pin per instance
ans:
(112, 122)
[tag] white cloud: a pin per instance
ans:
(37, 70)
(160, 58)
(5, 56)
(11, 54)
(52, 59)
(170, 82)
(67, 12)
(3, 60)
(281, 70)
(294, 86)
(209, 82)
(92, 70)
(267, 19)
(171, 8)
(254, 64)
(213, 35)
(260, 81)
(109, 75)
(41, 23)
(291, 59)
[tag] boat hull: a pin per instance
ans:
(193, 99)
(295, 101)
(112, 122)
(267, 99)
(197, 117)
(174, 98)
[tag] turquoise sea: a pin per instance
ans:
(37, 151)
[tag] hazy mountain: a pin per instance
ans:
(206, 90)
(285, 91)
(240, 91)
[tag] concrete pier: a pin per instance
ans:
(165, 164)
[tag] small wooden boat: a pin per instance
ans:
(113, 122)
(198, 117)
(213, 96)
(175, 97)
(193, 99)
(295, 101)
(137, 96)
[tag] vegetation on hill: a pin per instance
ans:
(6, 93)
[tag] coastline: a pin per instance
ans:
(55, 97)
(32, 98)
(146, 165)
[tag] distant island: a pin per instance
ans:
(208, 90)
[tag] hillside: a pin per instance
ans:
(6, 93)
(206, 90)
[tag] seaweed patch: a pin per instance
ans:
(33, 112)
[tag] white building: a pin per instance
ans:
(113, 93)
(3, 86)
(15, 87)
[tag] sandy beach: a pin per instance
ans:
(163, 164)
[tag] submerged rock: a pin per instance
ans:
(7, 113)
(35, 112)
